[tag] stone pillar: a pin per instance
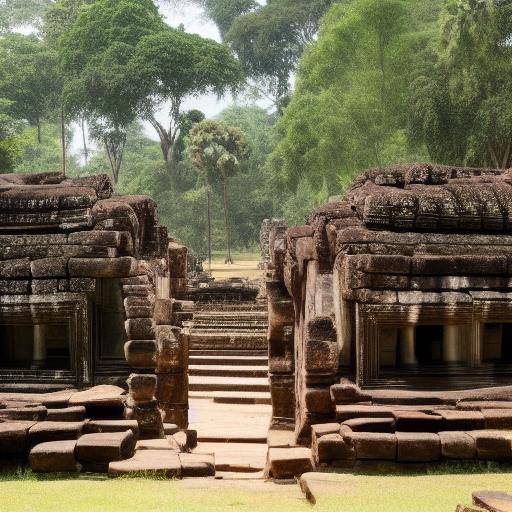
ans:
(407, 349)
(39, 347)
(451, 349)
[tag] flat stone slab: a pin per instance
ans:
(197, 464)
(493, 501)
(76, 413)
(371, 424)
(374, 445)
(416, 421)
(155, 444)
(281, 438)
(321, 429)
(105, 447)
(56, 456)
(418, 447)
(100, 399)
(100, 426)
(242, 458)
(457, 445)
(23, 413)
(347, 412)
(14, 437)
(332, 447)
(46, 431)
(161, 463)
(284, 463)
(497, 418)
(492, 444)
(463, 420)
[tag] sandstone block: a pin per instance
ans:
(347, 412)
(346, 392)
(457, 445)
(47, 431)
(385, 425)
(418, 447)
(154, 444)
(15, 269)
(104, 401)
(163, 311)
(497, 418)
(45, 286)
(318, 400)
(140, 329)
(330, 447)
(139, 307)
(172, 388)
(413, 421)
(82, 285)
(103, 267)
(141, 353)
(322, 429)
(49, 267)
(34, 413)
(138, 290)
(374, 445)
(286, 463)
(54, 457)
(14, 437)
(149, 419)
(197, 464)
(172, 355)
(462, 420)
(142, 387)
(76, 413)
(100, 449)
(492, 444)
(106, 426)
(18, 287)
(163, 463)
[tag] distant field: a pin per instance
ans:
(245, 265)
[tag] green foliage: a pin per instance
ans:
(19, 13)
(59, 16)
(350, 106)
(297, 206)
(462, 108)
(29, 77)
(10, 142)
(270, 40)
(224, 12)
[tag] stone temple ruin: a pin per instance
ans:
(390, 322)
(91, 291)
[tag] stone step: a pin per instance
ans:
(226, 360)
(228, 353)
(200, 383)
(228, 371)
(244, 458)
(234, 397)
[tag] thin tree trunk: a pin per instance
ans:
(493, 156)
(506, 156)
(63, 140)
(229, 259)
(84, 142)
(209, 229)
(39, 135)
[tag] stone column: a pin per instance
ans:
(451, 351)
(39, 347)
(407, 352)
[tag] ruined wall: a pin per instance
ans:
(407, 246)
(69, 249)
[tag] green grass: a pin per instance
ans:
(436, 491)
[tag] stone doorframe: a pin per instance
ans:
(71, 309)
(371, 318)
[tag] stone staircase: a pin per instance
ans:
(228, 353)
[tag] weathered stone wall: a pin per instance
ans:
(62, 238)
(407, 246)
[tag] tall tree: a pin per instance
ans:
(462, 106)
(97, 55)
(219, 151)
(10, 141)
(20, 13)
(174, 65)
(29, 78)
(349, 110)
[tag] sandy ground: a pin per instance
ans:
(240, 268)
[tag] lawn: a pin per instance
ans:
(358, 493)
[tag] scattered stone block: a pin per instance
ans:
(457, 445)
(47, 431)
(141, 353)
(346, 392)
(56, 456)
(497, 418)
(418, 447)
(104, 401)
(371, 424)
(492, 444)
(76, 413)
(321, 429)
(197, 464)
(413, 421)
(493, 501)
(99, 449)
(331, 447)
(374, 445)
(462, 420)
(105, 426)
(286, 463)
(36, 413)
(14, 437)
(160, 463)
(348, 412)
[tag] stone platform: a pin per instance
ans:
(86, 431)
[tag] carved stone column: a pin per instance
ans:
(407, 349)
(451, 349)
(39, 348)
